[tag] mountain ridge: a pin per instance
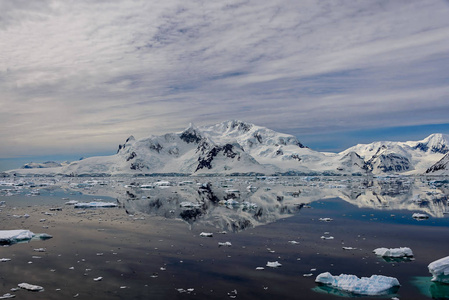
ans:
(237, 147)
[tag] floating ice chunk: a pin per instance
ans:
(260, 268)
(98, 278)
(5, 259)
(440, 270)
(293, 242)
(327, 237)
(71, 202)
(227, 244)
(420, 216)
(8, 237)
(325, 219)
(206, 234)
(394, 252)
(7, 296)
(188, 204)
(273, 264)
(39, 250)
(94, 204)
(374, 285)
(30, 287)
(349, 248)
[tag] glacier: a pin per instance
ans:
(372, 286)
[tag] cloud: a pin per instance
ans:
(87, 74)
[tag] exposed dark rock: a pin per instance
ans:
(131, 156)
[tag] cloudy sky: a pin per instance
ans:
(79, 77)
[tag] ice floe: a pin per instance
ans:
(371, 286)
(95, 204)
(420, 216)
(273, 264)
(206, 234)
(440, 270)
(227, 244)
(394, 252)
(8, 237)
(30, 287)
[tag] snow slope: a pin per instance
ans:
(236, 147)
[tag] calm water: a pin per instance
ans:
(151, 248)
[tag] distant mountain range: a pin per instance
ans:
(236, 147)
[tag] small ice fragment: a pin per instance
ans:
(327, 237)
(394, 252)
(95, 205)
(39, 250)
(293, 242)
(349, 248)
(5, 259)
(30, 287)
(123, 287)
(273, 264)
(98, 278)
(260, 268)
(308, 275)
(420, 216)
(325, 219)
(99, 254)
(206, 234)
(227, 244)
(440, 270)
(232, 294)
(7, 296)
(371, 286)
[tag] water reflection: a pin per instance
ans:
(236, 203)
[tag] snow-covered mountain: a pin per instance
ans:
(441, 167)
(236, 147)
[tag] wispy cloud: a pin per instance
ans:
(86, 74)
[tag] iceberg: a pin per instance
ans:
(30, 287)
(440, 270)
(372, 286)
(8, 237)
(394, 252)
(273, 264)
(94, 204)
(420, 216)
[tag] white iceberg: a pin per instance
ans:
(94, 204)
(227, 244)
(30, 287)
(372, 286)
(273, 264)
(14, 236)
(440, 270)
(394, 252)
(206, 234)
(420, 216)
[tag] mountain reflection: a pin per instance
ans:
(234, 204)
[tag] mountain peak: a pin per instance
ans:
(435, 143)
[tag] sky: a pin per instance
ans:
(78, 77)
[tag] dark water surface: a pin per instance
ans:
(144, 257)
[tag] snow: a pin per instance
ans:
(15, 236)
(239, 147)
(440, 270)
(372, 286)
(94, 204)
(394, 252)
